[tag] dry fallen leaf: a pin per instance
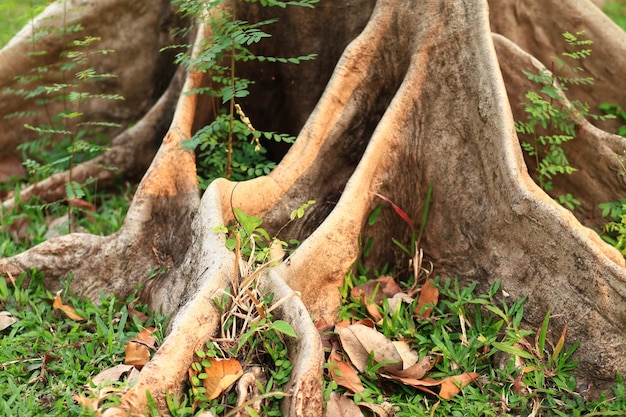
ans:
(68, 310)
(114, 374)
(138, 350)
(220, 376)
(358, 341)
(429, 294)
(145, 336)
(417, 370)
(6, 320)
(385, 409)
(341, 406)
(137, 354)
(374, 291)
(344, 374)
(452, 385)
(408, 355)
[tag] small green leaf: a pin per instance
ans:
(283, 327)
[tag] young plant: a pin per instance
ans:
(67, 138)
(250, 347)
(230, 146)
(550, 120)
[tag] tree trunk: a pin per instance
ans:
(424, 94)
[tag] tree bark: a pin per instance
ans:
(424, 94)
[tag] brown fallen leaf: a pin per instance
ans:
(374, 312)
(114, 374)
(417, 370)
(341, 406)
(374, 291)
(358, 341)
(452, 385)
(138, 350)
(146, 337)
(220, 376)
(429, 294)
(344, 374)
(137, 354)
(68, 310)
(420, 384)
(6, 320)
(385, 409)
(408, 355)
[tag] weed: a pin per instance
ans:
(548, 111)
(230, 146)
(47, 358)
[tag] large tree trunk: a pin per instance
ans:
(423, 94)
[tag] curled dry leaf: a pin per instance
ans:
(408, 355)
(344, 374)
(398, 298)
(385, 409)
(6, 320)
(220, 376)
(341, 406)
(417, 370)
(429, 294)
(138, 350)
(359, 341)
(450, 386)
(248, 389)
(68, 310)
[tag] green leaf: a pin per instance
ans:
(512, 350)
(283, 327)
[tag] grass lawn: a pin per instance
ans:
(53, 345)
(14, 14)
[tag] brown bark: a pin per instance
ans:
(423, 95)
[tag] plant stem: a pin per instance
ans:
(229, 155)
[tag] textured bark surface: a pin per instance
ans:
(422, 95)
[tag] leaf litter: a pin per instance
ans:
(356, 346)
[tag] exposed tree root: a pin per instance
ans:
(129, 156)
(418, 99)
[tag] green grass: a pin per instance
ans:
(14, 14)
(471, 332)
(46, 359)
(616, 10)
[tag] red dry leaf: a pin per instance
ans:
(344, 374)
(220, 376)
(428, 294)
(374, 312)
(398, 210)
(68, 310)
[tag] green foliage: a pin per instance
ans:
(616, 10)
(614, 232)
(46, 359)
(522, 372)
(550, 120)
(615, 110)
(14, 14)
(67, 138)
(231, 147)
(249, 331)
